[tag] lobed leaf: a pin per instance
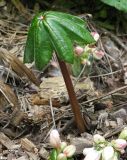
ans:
(43, 49)
(74, 31)
(60, 40)
(29, 48)
(70, 17)
(54, 30)
(38, 46)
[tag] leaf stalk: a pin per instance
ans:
(80, 122)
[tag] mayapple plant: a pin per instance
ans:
(61, 151)
(55, 31)
(104, 150)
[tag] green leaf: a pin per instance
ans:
(43, 48)
(53, 155)
(119, 4)
(76, 32)
(70, 17)
(47, 33)
(30, 43)
(38, 46)
(60, 40)
(29, 48)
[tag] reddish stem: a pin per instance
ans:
(81, 125)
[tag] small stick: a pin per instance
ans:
(106, 95)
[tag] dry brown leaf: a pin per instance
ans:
(17, 66)
(8, 94)
(37, 100)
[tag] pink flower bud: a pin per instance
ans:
(63, 145)
(98, 139)
(93, 155)
(98, 54)
(119, 144)
(54, 139)
(69, 150)
(61, 156)
(123, 134)
(95, 35)
(79, 50)
(108, 153)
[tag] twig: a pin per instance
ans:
(107, 74)
(106, 95)
(52, 113)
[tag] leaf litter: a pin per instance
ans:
(28, 112)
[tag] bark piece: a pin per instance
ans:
(43, 153)
(5, 141)
(28, 145)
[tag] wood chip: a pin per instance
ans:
(28, 145)
(5, 141)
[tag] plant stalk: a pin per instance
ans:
(80, 122)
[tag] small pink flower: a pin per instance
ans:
(98, 54)
(79, 50)
(69, 150)
(95, 35)
(119, 144)
(54, 139)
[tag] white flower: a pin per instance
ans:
(87, 150)
(69, 150)
(108, 153)
(98, 139)
(93, 155)
(54, 139)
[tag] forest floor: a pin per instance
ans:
(32, 103)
